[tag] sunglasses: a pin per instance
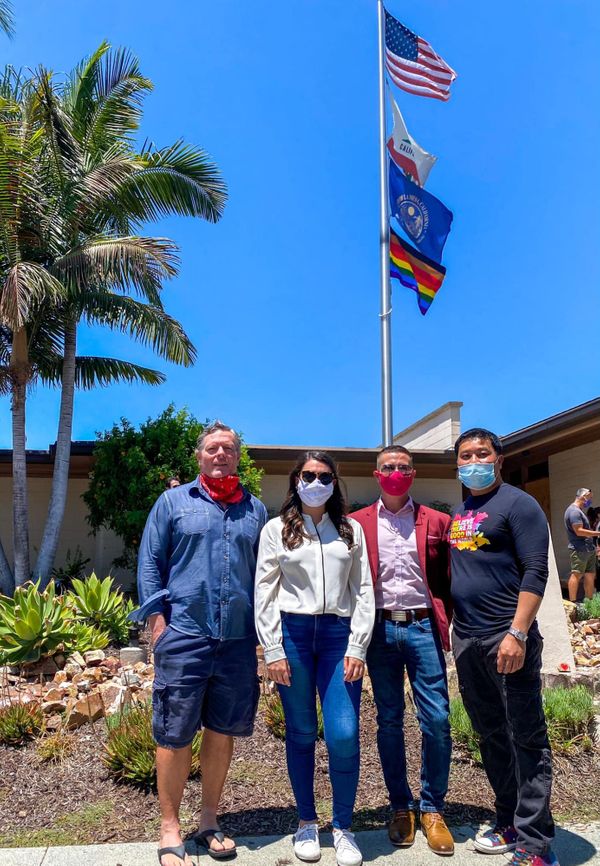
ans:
(324, 477)
(388, 468)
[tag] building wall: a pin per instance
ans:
(438, 431)
(101, 549)
(569, 470)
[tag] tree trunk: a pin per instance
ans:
(19, 371)
(60, 477)
(7, 581)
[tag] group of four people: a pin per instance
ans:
(326, 593)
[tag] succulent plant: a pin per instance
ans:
(32, 624)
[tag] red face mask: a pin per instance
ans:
(395, 484)
(227, 489)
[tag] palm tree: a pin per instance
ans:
(99, 191)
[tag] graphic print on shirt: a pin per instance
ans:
(464, 531)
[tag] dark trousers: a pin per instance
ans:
(507, 713)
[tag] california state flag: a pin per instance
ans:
(406, 153)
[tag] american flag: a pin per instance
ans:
(412, 63)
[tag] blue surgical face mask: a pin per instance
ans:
(587, 503)
(477, 476)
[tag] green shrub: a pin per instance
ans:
(98, 604)
(32, 624)
(74, 566)
(20, 722)
(462, 730)
(85, 637)
(589, 608)
(275, 718)
(569, 716)
(130, 750)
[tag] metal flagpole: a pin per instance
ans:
(385, 314)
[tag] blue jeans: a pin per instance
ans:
(315, 647)
(416, 647)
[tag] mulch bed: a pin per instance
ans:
(257, 798)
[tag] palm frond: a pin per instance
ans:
(119, 263)
(26, 284)
(7, 20)
(147, 324)
(93, 372)
(181, 179)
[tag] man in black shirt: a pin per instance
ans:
(499, 553)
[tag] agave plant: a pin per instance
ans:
(32, 624)
(96, 602)
(85, 637)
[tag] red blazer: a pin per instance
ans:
(431, 528)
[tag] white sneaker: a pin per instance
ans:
(306, 843)
(347, 852)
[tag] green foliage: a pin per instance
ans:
(462, 729)
(439, 505)
(131, 466)
(589, 608)
(20, 722)
(275, 717)
(54, 748)
(32, 624)
(130, 750)
(569, 716)
(74, 567)
(98, 604)
(85, 637)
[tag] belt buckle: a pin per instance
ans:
(399, 616)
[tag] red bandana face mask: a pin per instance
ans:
(225, 489)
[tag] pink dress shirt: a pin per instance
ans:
(400, 584)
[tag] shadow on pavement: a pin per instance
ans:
(572, 849)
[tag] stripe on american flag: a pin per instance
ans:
(413, 65)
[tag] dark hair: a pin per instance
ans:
(479, 433)
(293, 532)
(170, 479)
(395, 449)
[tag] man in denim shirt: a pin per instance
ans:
(196, 584)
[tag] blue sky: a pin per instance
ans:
(281, 297)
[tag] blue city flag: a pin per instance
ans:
(423, 217)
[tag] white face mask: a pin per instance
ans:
(315, 493)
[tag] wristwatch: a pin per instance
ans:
(520, 635)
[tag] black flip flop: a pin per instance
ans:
(202, 840)
(178, 851)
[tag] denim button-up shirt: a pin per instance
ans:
(197, 561)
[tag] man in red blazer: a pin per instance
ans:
(407, 545)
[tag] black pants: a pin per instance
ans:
(506, 711)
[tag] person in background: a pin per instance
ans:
(172, 481)
(582, 544)
(196, 585)
(314, 611)
(408, 552)
(499, 558)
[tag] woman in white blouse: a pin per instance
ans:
(315, 610)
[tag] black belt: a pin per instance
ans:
(407, 616)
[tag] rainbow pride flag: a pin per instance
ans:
(415, 271)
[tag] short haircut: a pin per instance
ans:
(395, 449)
(216, 427)
(582, 491)
(479, 433)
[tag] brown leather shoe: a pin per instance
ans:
(437, 833)
(401, 828)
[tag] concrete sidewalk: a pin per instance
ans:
(575, 845)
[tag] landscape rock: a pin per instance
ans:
(52, 707)
(61, 676)
(44, 667)
(87, 709)
(76, 658)
(112, 664)
(54, 723)
(132, 654)
(94, 657)
(131, 679)
(71, 669)
(54, 694)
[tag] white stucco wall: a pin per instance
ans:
(437, 431)
(569, 470)
(101, 549)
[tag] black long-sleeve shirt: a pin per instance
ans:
(499, 548)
